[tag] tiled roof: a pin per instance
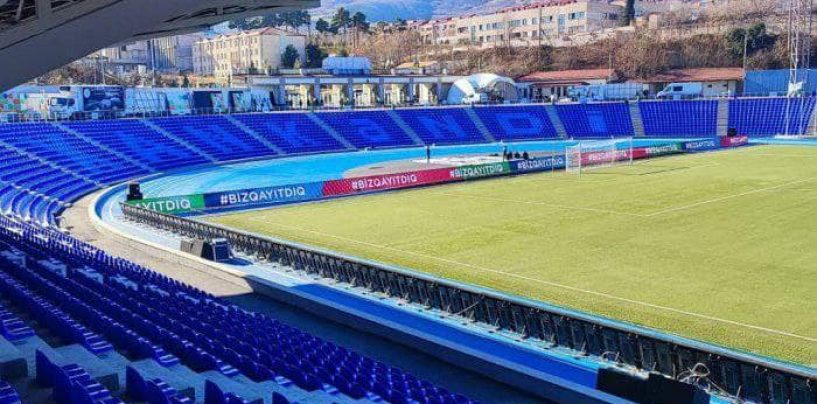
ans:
(567, 76)
(706, 74)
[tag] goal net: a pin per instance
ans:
(589, 154)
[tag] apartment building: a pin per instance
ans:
(244, 52)
(543, 22)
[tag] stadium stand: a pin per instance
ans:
(517, 123)
(587, 121)
(293, 132)
(215, 135)
(679, 119)
(764, 117)
(109, 305)
(367, 128)
(137, 140)
(88, 319)
(442, 125)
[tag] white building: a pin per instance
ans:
(256, 51)
(548, 23)
(173, 53)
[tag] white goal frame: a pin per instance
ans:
(590, 154)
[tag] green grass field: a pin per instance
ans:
(720, 247)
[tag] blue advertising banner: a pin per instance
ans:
(538, 164)
(701, 145)
(264, 196)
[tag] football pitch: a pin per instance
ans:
(720, 247)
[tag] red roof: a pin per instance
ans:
(705, 74)
(568, 76)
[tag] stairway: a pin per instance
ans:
(101, 146)
(405, 127)
(723, 116)
(331, 131)
(254, 134)
(550, 109)
(179, 140)
(480, 125)
(638, 123)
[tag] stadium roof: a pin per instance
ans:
(34, 40)
(563, 77)
(706, 74)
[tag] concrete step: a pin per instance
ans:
(405, 127)
(635, 116)
(550, 109)
(179, 141)
(254, 134)
(480, 125)
(331, 131)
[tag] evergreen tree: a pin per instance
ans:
(289, 57)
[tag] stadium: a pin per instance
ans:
(648, 251)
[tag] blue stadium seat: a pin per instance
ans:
(765, 117)
(133, 138)
(367, 128)
(151, 316)
(527, 122)
(587, 121)
(680, 119)
(442, 125)
(215, 135)
(291, 132)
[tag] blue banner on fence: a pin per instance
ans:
(538, 164)
(701, 145)
(265, 196)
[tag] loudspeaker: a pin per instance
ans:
(212, 250)
(134, 192)
(655, 389)
(732, 132)
(622, 384)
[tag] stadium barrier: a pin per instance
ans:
(293, 193)
(739, 374)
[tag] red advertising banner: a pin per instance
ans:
(357, 185)
(734, 141)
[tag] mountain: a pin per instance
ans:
(390, 10)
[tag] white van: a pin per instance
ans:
(677, 91)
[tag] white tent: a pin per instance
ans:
(482, 87)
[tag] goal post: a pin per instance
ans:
(589, 154)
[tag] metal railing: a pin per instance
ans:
(738, 374)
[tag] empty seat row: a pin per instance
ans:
(106, 302)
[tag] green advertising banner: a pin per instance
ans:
(172, 204)
(481, 170)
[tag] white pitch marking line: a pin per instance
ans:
(573, 288)
(555, 206)
(724, 198)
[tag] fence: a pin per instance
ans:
(742, 375)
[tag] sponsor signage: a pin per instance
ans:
(481, 171)
(734, 141)
(660, 150)
(264, 196)
(538, 164)
(701, 145)
(172, 204)
(386, 181)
